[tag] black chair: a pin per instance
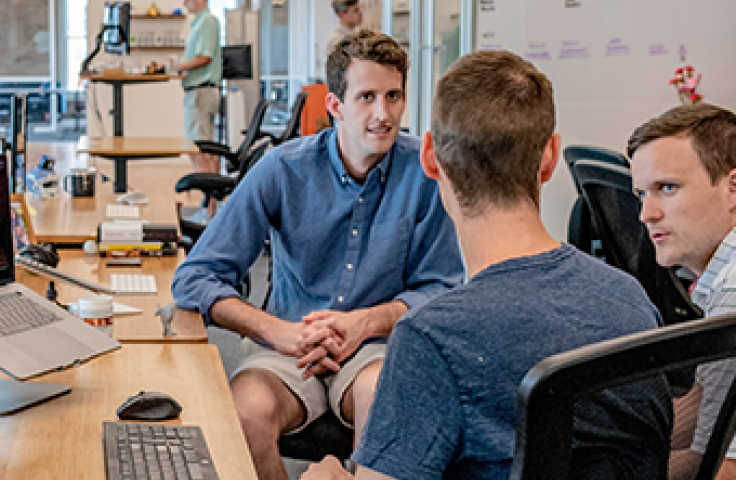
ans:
(608, 194)
(549, 391)
(580, 229)
(295, 120)
(213, 185)
(252, 134)
(325, 436)
(250, 151)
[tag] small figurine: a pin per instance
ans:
(153, 11)
(166, 314)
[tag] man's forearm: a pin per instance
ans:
(243, 318)
(194, 64)
(382, 318)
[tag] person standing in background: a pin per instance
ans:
(202, 68)
(350, 16)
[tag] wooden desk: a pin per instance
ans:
(121, 149)
(117, 80)
(62, 438)
(141, 328)
(74, 220)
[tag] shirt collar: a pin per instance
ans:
(383, 166)
(725, 254)
(199, 15)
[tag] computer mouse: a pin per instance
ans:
(149, 406)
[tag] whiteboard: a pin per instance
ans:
(610, 62)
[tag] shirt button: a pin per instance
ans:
(360, 199)
(340, 299)
(350, 266)
(355, 232)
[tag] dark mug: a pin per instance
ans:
(80, 183)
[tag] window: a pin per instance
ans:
(76, 32)
(218, 7)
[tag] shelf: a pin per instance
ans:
(156, 47)
(158, 17)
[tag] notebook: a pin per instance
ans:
(38, 336)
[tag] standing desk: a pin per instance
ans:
(62, 438)
(136, 328)
(121, 149)
(117, 80)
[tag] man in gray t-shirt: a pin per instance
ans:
(445, 405)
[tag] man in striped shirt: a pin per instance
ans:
(683, 166)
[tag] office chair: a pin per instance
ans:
(293, 125)
(249, 152)
(580, 229)
(548, 392)
(252, 134)
(325, 436)
(214, 185)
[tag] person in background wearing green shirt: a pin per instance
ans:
(202, 67)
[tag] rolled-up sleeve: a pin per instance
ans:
(228, 247)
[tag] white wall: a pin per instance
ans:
(150, 110)
(630, 50)
(325, 22)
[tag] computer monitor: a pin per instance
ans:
(237, 62)
(116, 37)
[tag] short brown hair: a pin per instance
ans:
(363, 45)
(342, 6)
(712, 131)
(492, 118)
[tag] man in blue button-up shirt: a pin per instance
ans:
(358, 236)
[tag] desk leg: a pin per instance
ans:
(121, 174)
(117, 106)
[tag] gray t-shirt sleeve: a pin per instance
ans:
(414, 427)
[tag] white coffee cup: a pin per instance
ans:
(96, 310)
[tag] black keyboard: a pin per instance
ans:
(135, 451)
(18, 314)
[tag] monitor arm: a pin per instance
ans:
(98, 43)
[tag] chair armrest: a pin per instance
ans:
(213, 148)
(210, 184)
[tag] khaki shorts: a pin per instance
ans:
(200, 107)
(315, 394)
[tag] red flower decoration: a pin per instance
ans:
(686, 82)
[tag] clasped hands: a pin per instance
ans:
(325, 339)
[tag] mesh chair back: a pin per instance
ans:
(252, 134)
(573, 153)
(548, 392)
(607, 191)
(580, 229)
(292, 127)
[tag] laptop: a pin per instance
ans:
(15, 395)
(36, 335)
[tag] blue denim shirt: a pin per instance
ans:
(335, 244)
